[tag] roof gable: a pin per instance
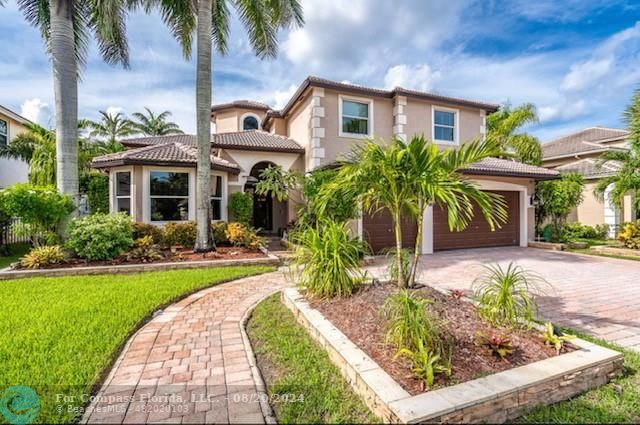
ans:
(587, 140)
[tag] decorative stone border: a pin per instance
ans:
(546, 245)
(496, 398)
(270, 260)
(623, 252)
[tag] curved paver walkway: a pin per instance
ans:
(189, 364)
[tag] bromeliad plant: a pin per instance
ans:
(327, 258)
(498, 346)
(506, 296)
(426, 364)
(554, 337)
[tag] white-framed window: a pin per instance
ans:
(122, 190)
(168, 196)
(217, 193)
(356, 117)
(445, 125)
(250, 122)
(4, 132)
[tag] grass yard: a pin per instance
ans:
(15, 252)
(60, 334)
(616, 402)
(292, 363)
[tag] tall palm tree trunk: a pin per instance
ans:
(204, 241)
(65, 88)
(418, 247)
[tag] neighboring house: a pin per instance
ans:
(12, 170)
(155, 179)
(579, 152)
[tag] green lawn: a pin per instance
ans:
(60, 334)
(16, 251)
(616, 402)
(292, 363)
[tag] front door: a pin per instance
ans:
(263, 212)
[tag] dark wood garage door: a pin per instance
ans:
(378, 231)
(478, 233)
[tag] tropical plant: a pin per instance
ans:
(456, 294)
(240, 235)
(342, 206)
(66, 27)
(556, 199)
(498, 346)
(211, 20)
(507, 296)
(111, 127)
(183, 234)
(503, 126)
(573, 231)
(630, 235)
(426, 363)
(141, 230)
(96, 186)
(43, 256)
(327, 258)
(100, 236)
(145, 250)
(152, 124)
(40, 208)
(627, 179)
(219, 230)
(555, 337)
(277, 182)
(241, 207)
(405, 264)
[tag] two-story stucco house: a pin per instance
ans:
(12, 170)
(154, 180)
(579, 152)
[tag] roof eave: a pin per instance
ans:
(157, 163)
(496, 173)
(258, 148)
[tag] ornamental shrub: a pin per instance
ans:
(240, 235)
(140, 230)
(43, 256)
(98, 192)
(241, 207)
(572, 231)
(630, 235)
(101, 236)
(183, 234)
(40, 208)
(219, 230)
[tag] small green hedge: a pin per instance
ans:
(101, 236)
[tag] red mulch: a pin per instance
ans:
(181, 255)
(360, 318)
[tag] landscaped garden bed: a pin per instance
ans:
(361, 319)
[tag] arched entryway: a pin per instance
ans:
(269, 214)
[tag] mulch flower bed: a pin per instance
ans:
(360, 318)
(180, 255)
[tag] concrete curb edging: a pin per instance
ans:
(497, 398)
(270, 260)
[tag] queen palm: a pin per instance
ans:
(65, 26)
(627, 179)
(503, 126)
(152, 124)
(262, 19)
(111, 127)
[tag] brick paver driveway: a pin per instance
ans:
(190, 363)
(597, 295)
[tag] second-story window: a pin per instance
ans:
(444, 125)
(356, 117)
(4, 132)
(250, 123)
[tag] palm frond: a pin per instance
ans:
(220, 17)
(256, 18)
(108, 21)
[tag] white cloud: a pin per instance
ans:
(565, 111)
(37, 111)
(281, 97)
(418, 77)
(114, 110)
(585, 74)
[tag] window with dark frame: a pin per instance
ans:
(250, 123)
(216, 198)
(4, 132)
(169, 196)
(355, 117)
(123, 191)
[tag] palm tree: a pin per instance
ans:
(262, 19)
(627, 179)
(111, 127)
(151, 124)
(502, 126)
(65, 26)
(435, 179)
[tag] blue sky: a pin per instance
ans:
(577, 61)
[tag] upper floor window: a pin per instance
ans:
(250, 122)
(355, 117)
(444, 125)
(4, 132)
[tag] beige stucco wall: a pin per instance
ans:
(230, 120)
(12, 170)
(591, 209)
(279, 126)
(298, 129)
(419, 120)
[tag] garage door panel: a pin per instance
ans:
(378, 231)
(478, 233)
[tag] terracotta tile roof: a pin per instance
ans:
(248, 104)
(587, 140)
(254, 140)
(312, 81)
(589, 168)
(508, 167)
(175, 154)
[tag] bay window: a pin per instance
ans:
(169, 196)
(216, 198)
(123, 191)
